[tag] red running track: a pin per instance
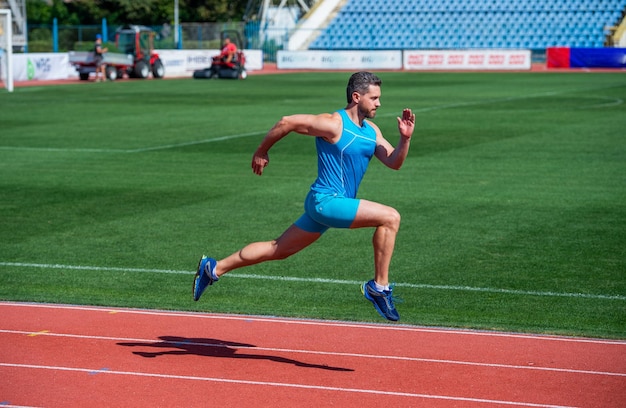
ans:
(74, 356)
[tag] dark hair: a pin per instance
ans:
(360, 82)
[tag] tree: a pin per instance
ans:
(118, 12)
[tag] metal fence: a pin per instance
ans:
(63, 38)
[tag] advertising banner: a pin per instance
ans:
(41, 66)
(467, 60)
(178, 63)
(597, 57)
(181, 63)
(330, 60)
(565, 57)
(557, 57)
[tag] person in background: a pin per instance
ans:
(229, 49)
(98, 57)
(225, 59)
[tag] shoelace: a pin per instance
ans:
(391, 298)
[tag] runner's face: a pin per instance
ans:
(370, 101)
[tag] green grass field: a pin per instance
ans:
(513, 198)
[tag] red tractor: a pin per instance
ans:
(138, 41)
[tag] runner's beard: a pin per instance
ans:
(368, 113)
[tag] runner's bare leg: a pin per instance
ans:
(386, 220)
(293, 240)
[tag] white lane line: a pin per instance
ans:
(329, 281)
(139, 150)
(195, 142)
(175, 343)
(314, 322)
(61, 150)
(274, 384)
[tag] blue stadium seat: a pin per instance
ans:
(469, 23)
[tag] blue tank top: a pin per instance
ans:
(341, 166)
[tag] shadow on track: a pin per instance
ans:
(173, 345)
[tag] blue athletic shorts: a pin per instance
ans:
(323, 211)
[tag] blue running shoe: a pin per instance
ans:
(383, 301)
(205, 276)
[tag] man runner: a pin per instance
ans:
(346, 140)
